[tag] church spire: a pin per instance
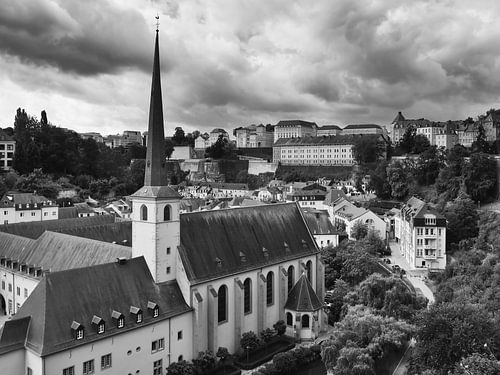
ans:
(156, 174)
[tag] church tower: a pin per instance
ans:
(155, 206)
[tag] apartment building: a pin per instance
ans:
(18, 207)
(7, 150)
(254, 136)
(421, 233)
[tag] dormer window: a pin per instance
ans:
(153, 308)
(137, 313)
(77, 330)
(98, 323)
(118, 318)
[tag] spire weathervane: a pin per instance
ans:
(157, 22)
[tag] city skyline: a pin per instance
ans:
(230, 65)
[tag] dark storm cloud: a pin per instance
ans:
(82, 37)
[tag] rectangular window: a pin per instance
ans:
(168, 250)
(157, 367)
(10, 287)
(25, 293)
(88, 367)
(179, 335)
(168, 270)
(69, 371)
(18, 290)
(157, 345)
(32, 214)
(29, 371)
(106, 361)
(3, 285)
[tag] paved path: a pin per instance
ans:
(404, 363)
(415, 277)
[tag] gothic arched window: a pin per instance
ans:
(309, 270)
(270, 288)
(247, 296)
(289, 319)
(291, 277)
(144, 212)
(166, 213)
(305, 321)
(222, 304)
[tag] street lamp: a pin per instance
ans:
(248, 349)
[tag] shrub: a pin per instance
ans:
(180, 368)
(222, 353)
(285, 362)
(249, 341)
(205, 361)
(280, 327)
(267, 334)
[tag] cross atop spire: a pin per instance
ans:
(157, 22)
(156, 174)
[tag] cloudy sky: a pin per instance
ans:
(229, 63)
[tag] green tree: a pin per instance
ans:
(284, 363)
(481, 144)
(408, 141)
(379, 181)
(368, 149)
(448, 332)
(280, 327)
(420, 144)
(477, 364)
(462, 218)
(221, 149)
(480, 177)
(398, 180)
(249, 341)
(359, 230)
(179, 137)
(205, 361)
(361, 338)
(429, 164)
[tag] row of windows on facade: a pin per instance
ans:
(428, 252)
(18, 289)
(117, 317)
(222, 295)
(88, 367)
(166, 213)
(16, 266)
(428, 231)
(314, 150)
(21, 214)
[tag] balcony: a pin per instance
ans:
(430, 254)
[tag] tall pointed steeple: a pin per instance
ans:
(156, 173)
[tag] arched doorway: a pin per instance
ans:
(2, 305)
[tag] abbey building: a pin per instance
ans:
(195, 281)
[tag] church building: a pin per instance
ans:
(196, 281)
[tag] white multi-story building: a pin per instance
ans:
(467, 133)
(24, 207)
(7, 150)
(314, 151)
(92, 135)
(294, 129)
(254, 136)
(362, 129)
(421, 233)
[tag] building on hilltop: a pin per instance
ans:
(18, 207)
(254, 136)
(93, 135)
(314, 151)
(7, 150)
(294, 129)
(491, 125)
(421, 233)
(196, 282)
(362, 129)
(328, 130)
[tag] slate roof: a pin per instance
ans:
(329, 127)
(415, 208)
(313, 141)
(334, 195)
(56, 251)
(119, 232)
(13, 334)
(399, 117)
(223, 234)
(61, 298)
(362, 126)
(34, 229)
(296, 123)
(157, 192)
(302, 297)
(11, 198)
(318, 222)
